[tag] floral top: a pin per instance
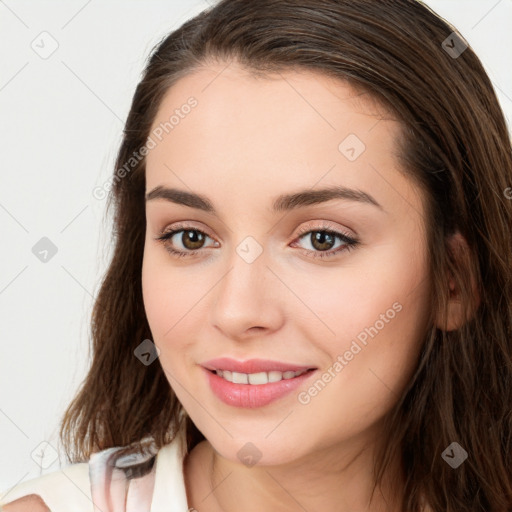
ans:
(114, 480)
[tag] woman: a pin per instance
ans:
(309, 306)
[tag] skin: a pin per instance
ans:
(248, 141)
(30, 503)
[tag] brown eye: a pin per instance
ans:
(192, 239)
(322, 240)
(183, 241)
(192, 242)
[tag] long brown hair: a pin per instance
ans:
(455, 145)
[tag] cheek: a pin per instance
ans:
(154, 289)
(374, 317)
(159, 285)
(371, 361)
(383, 288)
(173, 301)
(380, 331)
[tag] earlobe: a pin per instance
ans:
(459, 311)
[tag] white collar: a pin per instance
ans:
(169, 494)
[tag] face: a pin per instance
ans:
(336, 284)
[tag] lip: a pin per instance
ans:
(251, 396)
(253, 365)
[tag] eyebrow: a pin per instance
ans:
(282, 203)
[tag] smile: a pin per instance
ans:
(257, 378)
(252, 390)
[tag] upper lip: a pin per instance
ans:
(253, 365)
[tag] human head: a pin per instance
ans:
(454, 144)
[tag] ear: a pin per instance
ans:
(458, 313)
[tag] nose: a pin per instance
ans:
(248, 298)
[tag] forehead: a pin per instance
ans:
(257, 135)
(229, 95)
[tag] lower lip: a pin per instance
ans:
(251, 395)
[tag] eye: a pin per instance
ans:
(192, 240)
(320, 239)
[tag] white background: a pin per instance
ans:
(61, 121)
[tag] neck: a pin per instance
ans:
(337, 479)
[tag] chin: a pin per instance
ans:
(255, 453)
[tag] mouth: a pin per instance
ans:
(272, 368)
(259, 378)
(257, 388)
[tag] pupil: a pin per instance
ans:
(321, 237)
(193, 237)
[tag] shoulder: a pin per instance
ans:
(54, 491)
(30, 503)
(116, 478)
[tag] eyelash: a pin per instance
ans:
(350, 243)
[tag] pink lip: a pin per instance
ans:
(252, 396)
(252, 365)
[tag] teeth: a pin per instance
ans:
(239, 378)
(257, 378)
